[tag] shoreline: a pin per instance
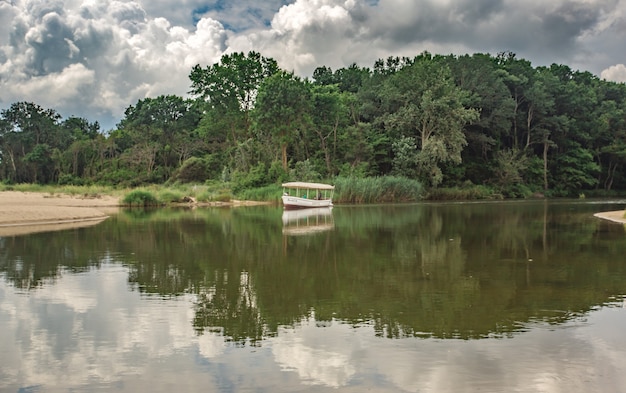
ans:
(616, 216)
(23, 212)
(30, 212)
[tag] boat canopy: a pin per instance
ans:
(308, 186)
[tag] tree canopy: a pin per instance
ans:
(449, 121)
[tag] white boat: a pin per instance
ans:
(301, 195)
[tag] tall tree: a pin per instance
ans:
(329, 115)
(29, 135)
(162, 131)
(283, 109)
(230, 90)
(430, 107)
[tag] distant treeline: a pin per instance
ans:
(447, 121)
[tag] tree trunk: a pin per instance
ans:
(545, 165)
(283, 151)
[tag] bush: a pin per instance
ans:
(256, 177)
(193, 170)
(140, 198)
(168, 196)
(68, 179)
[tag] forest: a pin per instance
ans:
(446, 121)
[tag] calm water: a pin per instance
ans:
(491, 297)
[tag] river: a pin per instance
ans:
(524, 296)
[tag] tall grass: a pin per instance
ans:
(269, 193)
(474, 192)
(376, 189)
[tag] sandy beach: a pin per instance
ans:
(29, 212)
(615, 216)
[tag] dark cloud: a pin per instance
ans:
(50, 45)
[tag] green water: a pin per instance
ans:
(507, 296)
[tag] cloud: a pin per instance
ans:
(615, 73)
(99, 57)
(122, 51)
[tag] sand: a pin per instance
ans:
(29, 212)
(615, 216)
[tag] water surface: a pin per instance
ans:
(507, 296)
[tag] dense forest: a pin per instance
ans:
(447, 121)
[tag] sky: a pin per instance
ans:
(94, 58)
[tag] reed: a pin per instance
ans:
(269, 193)
(385, 189)
(474, 192)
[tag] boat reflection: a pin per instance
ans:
(307, 221)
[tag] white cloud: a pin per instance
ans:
(615, 73)
(56, 88)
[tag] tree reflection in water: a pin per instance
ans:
(427, 270)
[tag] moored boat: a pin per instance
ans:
(301, 195)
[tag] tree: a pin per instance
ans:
(283, 109)
(162, 131)
(329, 113)
(229, 89)
(28, 135)
(429, 106)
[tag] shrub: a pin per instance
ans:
(69, 179)
(168, 195)
(193, 170)
(140, 198)
(256, 177)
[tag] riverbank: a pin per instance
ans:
(23, 212)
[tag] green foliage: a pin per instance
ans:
(376, 189)
(170, 196)
(69, 179)
(277, 173)
(271, 193)
(193, 170)
(445, 120)
(304, 171)
(121, 176)
(360, 170)
(255, 178)
(473, 192)
(404, 157)
(140, 198)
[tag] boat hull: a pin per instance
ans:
(293, 202)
